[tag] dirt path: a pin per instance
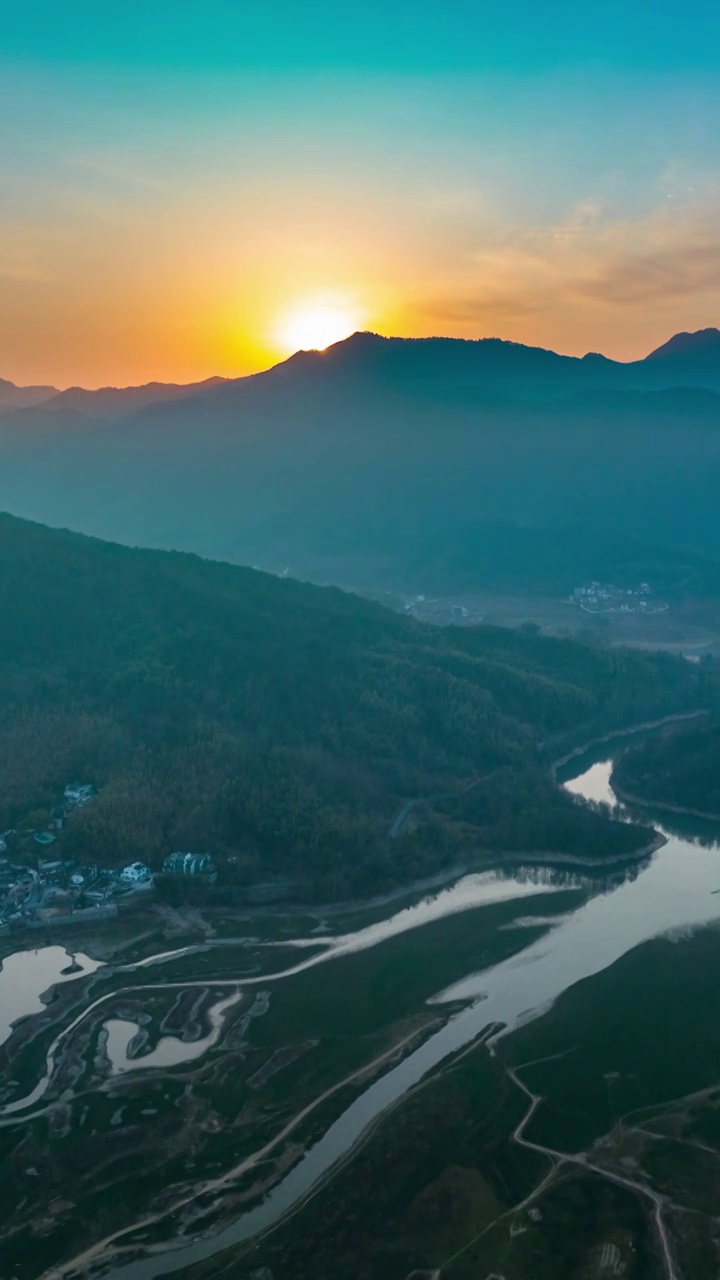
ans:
(564, 1157)
(624, 733)
(557, 1160)
(107, 1247)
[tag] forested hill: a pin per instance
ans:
(680, 767)
(277, 725)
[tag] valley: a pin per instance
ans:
(274, 1077)
(691, 627)
(359, 641)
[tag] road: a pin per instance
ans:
(559, 1158)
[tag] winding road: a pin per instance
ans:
(557, 1160)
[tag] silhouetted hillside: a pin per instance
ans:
(12, 397)
(703, 345)
(465, 369)
(120, 402)
(424, 465)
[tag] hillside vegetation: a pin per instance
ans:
(281, 726)
(679, 768)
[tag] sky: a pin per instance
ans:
(185, 187)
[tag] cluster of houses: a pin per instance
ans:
(604, 597)
(190, 864)
(441, 611)
(47, 889)
(138, 874)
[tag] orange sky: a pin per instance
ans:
(165, 228)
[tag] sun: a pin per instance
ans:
(315, 326)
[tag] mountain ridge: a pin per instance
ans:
(698, 350)
(689, 344)
(382, 463)
(15, 397)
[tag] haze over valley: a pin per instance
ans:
(431, 466)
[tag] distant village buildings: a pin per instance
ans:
(604, 597)
(78, 793)
(190, 864)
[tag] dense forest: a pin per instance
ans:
(680, 768)
(282, 726)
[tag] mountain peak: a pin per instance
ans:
(700, 343)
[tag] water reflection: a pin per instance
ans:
(26, 976)
(593, 878)
(674, 889)
(170, 1050)
(594, 784)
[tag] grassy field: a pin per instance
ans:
(692, 627)
(632, 1083)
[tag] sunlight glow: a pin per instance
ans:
(314, 326)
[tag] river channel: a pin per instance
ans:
(674, 890)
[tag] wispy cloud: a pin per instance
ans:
(594, 257)
(477, 310)
(676, 271)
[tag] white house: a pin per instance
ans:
(77, 793)
(189, 864)
(136, 873)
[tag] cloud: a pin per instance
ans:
(476, 309)
(634, 279)
(665, 256)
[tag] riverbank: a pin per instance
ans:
(538, 858)
(628, 797)
(646, 726)
(473, 960)
(482, 861)
(485, 860)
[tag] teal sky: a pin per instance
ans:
(178, 176)
(400, 36)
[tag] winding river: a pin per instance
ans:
(674, 890)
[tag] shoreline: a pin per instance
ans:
(646, 725)
(487, 861)
(495, 859)
(536, 858)
(628, 797)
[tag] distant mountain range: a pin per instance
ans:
(12, 397)
(430, 365)
(421, 464)
(106, 402)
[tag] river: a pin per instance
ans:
(25, 977)
(674, 890)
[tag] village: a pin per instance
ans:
(604, 597)
(38, 889)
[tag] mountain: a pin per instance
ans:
(428, 465)
(702, 344)
(12, 397)
(464, 370)
(460, 367)
(119, 402)
(690, 359)
(282, 726)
